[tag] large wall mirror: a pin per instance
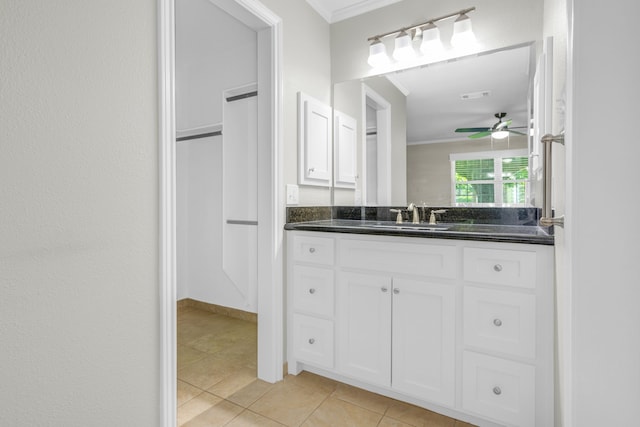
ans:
(407, 139)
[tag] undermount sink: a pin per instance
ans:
(411, 226)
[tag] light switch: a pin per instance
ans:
(293, 197)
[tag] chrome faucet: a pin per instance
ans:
(432, 217)
(416, 215)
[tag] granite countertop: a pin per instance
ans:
(461, 231)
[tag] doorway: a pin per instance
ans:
(271, 211)
(376, 155)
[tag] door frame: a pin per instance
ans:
(270, 290)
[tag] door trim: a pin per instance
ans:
(270, 304)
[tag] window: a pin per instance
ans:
(496, 178)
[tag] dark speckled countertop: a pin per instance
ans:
(514, 225)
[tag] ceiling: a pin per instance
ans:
(337, 10)
(435, 102)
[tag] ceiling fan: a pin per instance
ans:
(499, 130)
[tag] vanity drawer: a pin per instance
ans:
(499, 389)
(500, 267)
(313, 249)
(395, 257)
(313, 340)
(313, 290)
(500, 321)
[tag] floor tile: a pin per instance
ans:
(206, 372)
(188, 355)
(390, 422)
(186, 392)
(313, 381)
(418, 417)
(250, 393)
(251, 419)
(288, 403)
(195, 407)
(218, 415)
(371, 401)
(335, 412)
(233, 382)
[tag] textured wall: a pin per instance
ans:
(79, 213)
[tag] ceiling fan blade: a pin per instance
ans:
(517, 132)
(472, 129)
(480, 134)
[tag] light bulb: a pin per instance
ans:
(404, 47)
(378, 54)
(500, 134)
(462, 32)
(431, 42)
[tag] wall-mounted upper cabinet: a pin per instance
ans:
(314, 142)
(345, 138)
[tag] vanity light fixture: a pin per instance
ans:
(430, 35)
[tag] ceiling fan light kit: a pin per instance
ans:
(428, 34)
(500, 130)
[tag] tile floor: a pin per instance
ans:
(217, 386)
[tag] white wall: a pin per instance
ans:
(214, 52)
(79, 321)
(306, 67)
(603, 249)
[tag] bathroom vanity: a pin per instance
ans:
(458, 320)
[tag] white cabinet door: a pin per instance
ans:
(424, 340)
(314, 142)
(364, 331)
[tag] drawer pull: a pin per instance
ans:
(497, 322)
(497, 391)
(384, 289)
(312, 250)
(313, 291)
(497, 268)
(396, 291)
(311, 341)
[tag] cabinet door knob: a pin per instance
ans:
(312, 169)
(311, 341)
(384, 289)
(396, 291)
(497, 268)
(312, 250)
(313, 291)
(497, 322)
(497, 391)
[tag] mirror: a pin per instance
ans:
(406, 123)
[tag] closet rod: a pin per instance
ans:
(242, 96)
(198, 136)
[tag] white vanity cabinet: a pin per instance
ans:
(461, 327)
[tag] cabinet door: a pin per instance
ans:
(314, 141)
(423, 340)
(364, 327)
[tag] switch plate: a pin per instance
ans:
(293, 196)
